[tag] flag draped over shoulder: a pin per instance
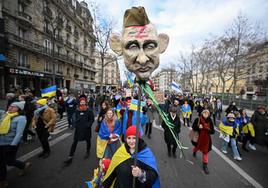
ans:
(146, 156)
(49, 91)
(176, 87)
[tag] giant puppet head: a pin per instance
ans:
(139, 43)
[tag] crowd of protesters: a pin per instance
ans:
(27, 117)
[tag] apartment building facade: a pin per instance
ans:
(164, 78)
(111, 72)
(49, 42)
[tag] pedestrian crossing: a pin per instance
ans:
(61, 126)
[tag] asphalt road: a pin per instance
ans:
(174, 173)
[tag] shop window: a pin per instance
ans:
(22, 59)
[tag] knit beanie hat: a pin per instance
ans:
(131, 131)
(20, 104)
(42, 102)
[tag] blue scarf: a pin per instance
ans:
(38, 110)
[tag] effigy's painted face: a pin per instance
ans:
(140, 47)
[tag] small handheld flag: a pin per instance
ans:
(130, 79)
(49, 91)
(176, 87)
(134, 105)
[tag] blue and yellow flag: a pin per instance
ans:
(130, 79)
(134, 105)
(49, 92)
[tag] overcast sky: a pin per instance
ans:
(188, 22)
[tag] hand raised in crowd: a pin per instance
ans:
(200, 126)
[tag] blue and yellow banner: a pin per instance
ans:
(134, 105)
(49, 92)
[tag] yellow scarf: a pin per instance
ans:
(5, 124)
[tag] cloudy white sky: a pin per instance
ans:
(188, 22)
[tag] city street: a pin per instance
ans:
(224, 171)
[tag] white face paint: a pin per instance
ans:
(140, 50)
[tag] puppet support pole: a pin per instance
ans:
(137, 131)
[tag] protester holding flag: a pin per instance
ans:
(176, 87)
(108, 140)
(122, 170)
(44, 121)
(82, 122)
(176, 128)
(12, 124)
(186, 113)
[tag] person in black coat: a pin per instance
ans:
(29, 109)
(169, 139)
(191, 103)
(104, 107)
(83, 120)
(120, 175)
(231, 108)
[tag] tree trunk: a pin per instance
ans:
(102, 73)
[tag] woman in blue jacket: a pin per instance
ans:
(12, 124)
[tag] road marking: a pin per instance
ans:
(237, 168)
(39, 150)
(231, 163)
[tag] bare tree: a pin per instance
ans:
(241, 35)
(103, 28)
(203, 58)
(188, 66)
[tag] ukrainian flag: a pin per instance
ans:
(130, 79)
(134, 105)
(49, 92)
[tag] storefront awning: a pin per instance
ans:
(2, 57)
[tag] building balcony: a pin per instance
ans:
(47, 13)
(14, 39)
(68, 28)
(25, 18)
(25, 2)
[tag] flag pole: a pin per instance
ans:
(137, 131)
